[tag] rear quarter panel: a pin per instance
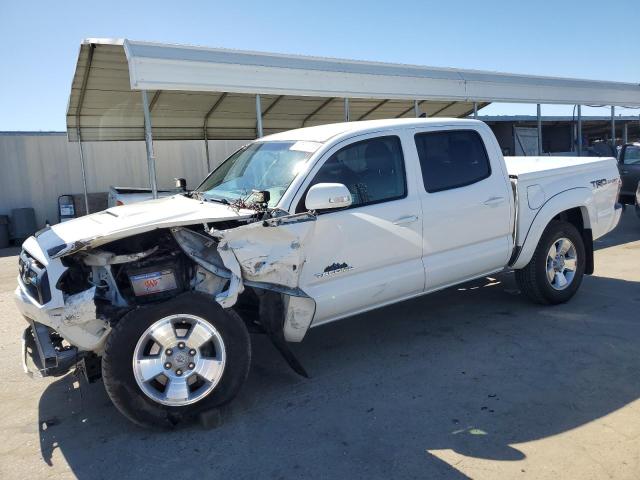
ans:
(592, 187)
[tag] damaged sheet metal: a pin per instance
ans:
(271, 251)
(205, 251)
(229, 297)
(299, 313)
(267, 255)
(78, 320)
(256, 254)
(99, 258)
(80, 308)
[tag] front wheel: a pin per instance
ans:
(556, 269)
(168, 362)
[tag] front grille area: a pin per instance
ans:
(34, 278)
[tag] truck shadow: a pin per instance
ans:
(475, 369)
(628, 230)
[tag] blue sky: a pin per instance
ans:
(586, 39)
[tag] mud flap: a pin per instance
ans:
(587, 237)
(271, 319)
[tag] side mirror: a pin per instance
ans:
(324, 196)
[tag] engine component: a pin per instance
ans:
(155, 282)
(149, 283)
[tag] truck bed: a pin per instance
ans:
(530, 168)
(539, 179)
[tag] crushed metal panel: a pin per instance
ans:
(80, 308)
(299, 313)
(267, 254)
(271, 251)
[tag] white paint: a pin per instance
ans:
(176, 67)
(535, 196)
(324, 196)
(380, 253)
(127, 220)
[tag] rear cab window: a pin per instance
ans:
(372, 170)
(451, 159)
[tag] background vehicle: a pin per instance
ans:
(126, 195)
(293, 231)
(629, 165)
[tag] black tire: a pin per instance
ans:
(532, 279)
(117, 369)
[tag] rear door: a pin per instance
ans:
(370, 253)
(629, 171)
(466, 206)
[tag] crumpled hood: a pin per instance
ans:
(124, 221)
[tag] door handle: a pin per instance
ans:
(406, 220)
(494, 201)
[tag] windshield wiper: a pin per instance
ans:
(219, 200)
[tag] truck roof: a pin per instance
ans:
(322, 133)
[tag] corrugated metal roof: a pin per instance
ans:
(193, 86)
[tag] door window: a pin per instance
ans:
(372, 170)
(451, 159)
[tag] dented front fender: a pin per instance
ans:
(267, 255)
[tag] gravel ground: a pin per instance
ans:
(469, 382)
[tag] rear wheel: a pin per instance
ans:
(556, 269)
(166, 363)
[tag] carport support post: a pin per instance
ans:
(579, 131)
(613, 126)
(346, 110)
(258, 116)
(84, 175)
(625, 133)
(206, 146)
(148, 138)
(416, 108)
(539, 113)
(475, 110)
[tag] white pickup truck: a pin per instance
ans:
(293, 231)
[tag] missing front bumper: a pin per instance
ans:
(41, 357)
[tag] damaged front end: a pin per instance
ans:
(251, 264)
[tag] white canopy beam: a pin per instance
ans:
(156, 66)
(192, 77)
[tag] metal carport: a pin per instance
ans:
(187, 92)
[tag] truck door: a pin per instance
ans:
(370, 253)
(629, 171)
(466, 206)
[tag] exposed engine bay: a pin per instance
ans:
(251, 265)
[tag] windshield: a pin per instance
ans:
(269, 166)
(631, 155)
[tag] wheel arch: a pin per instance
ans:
(573, 206)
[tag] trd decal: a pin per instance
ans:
(334, 269)
(603, 182)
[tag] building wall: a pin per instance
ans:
(504, 135)
(36, 168)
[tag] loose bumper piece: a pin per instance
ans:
(41, 358)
